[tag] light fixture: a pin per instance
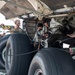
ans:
(65, 6)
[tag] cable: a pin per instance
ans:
(67, 39)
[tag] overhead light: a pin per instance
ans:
(64, 10)
(74, 8)
(65, 6)
(31, 15)
(24, 16)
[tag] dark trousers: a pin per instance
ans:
(61, 38)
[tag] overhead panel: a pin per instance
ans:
(14, 11)
(40, 7)
(7, 12)
(57, 4)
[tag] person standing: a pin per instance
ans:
(16, 28)
(46, 25)
(38, 36)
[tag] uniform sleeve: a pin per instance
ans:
(35, 39)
